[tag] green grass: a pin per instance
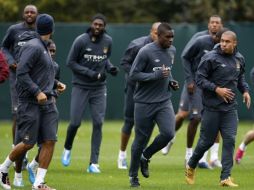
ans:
(166, 172)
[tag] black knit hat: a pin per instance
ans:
(44, 24)
(101, 17)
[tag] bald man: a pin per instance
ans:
(220, 73)
(126, 63)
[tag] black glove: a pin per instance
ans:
(103, 77)
(99, 76)
(173, 84)
(113, 71)
(95, 76)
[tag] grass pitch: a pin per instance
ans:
(166, 172)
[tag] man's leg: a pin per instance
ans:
(47, 138)
(45, 157)
(214, 153)
(165, 120)
(228, 129)
(97, 103)
(206, 140)
(127, 127)
(181, 115)
(33, 166)
(16, 154)
(143, 129)
(248, 138)
(79, 98)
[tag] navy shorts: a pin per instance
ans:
(191, 102)
(36, 123)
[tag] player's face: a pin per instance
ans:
(214, 25)
(30, 14)
(52, 50)
(97, 27)
(227, 43)
(165, 39)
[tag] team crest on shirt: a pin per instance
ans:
(105, 50)
(238, 66)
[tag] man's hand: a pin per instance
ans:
(61, 87)
(226, 94)
(113, 71)
(13, 66)
(191, 88)
(247, 99)
(174, 84)
(165, 71)
(41, 98)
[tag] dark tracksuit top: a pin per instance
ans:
(87, 59)
(35, 72)
(131, 53)
(12, 43)
(225, 71)
(145, 71)
(192, 54)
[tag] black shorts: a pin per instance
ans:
(36, 123)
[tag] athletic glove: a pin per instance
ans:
(173, 84)
(99, 76)
(113, 71)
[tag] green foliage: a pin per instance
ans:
(166, 172)
(133, 11)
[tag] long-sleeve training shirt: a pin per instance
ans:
(192, 54)
(131, 53)
(12, 43)
(218, 69)
(87, 58)
(151, 87)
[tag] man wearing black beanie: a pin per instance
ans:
(37, 115)
(89, 61)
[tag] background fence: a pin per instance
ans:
(122, 34)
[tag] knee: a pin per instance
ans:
(181, 115)
(73, 126)
(48, 144)
(229, 141)
(28, 146)
(195, 120)
(168, 136)
(127, 127)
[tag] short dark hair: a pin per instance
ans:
(164, 26)
(101, 17)
(220, 32)
(216, 16)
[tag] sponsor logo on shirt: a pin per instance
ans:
(95, 58)
(21, 43)
(160, 68)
